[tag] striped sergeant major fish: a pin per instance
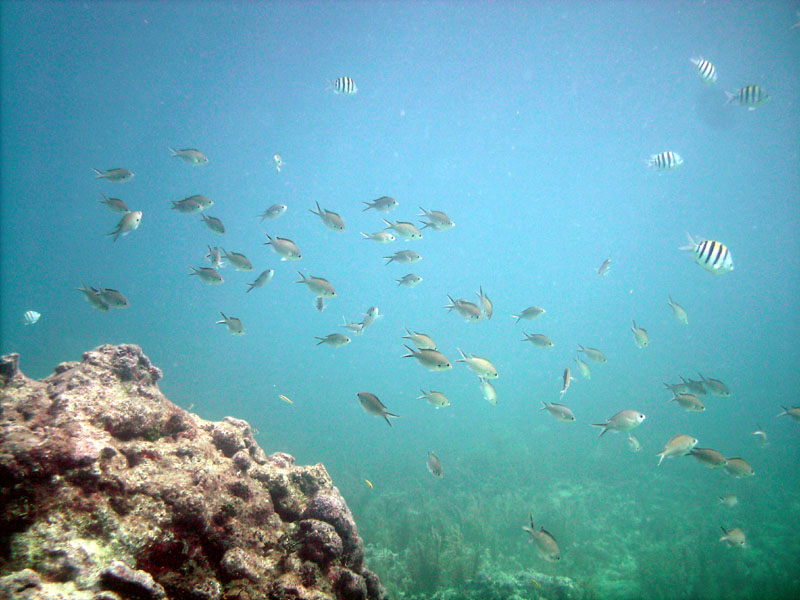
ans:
(751, 96)
(706, 70)
(713, 256)
(344, 85)
(664, 161)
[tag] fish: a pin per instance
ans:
(680, 445)
(356, 328)
(437, 399)
(439, 221)
(678, 312)
(191, 155)
(604, 268)
(410, 280)
(431, 359)
(624, 420)
(729, 500)
(713, 256)
(372, 314)
(277, 160)
(469, 310)
(565, 380)
(285, 399)
(793, 412)
(695, 387)
(689, 402)
(593, 354)
(344, 85)
(261, 280)
(273, 212)
(739, 468)
(404, 229)
(705, 70)
(192, 205)
(538, 339)
(382, 237)
(488, 391)
(633, 443)
(116, 175)
(434, 465)
(207, 275)
(559, 411)
(715, 386)
(544, 542)
(404, 257)
(214, 256)
(373, 406)
(130, 222)
(482, 367)
(751, 96)
(664, 161)
(420, 340)
(284, 247)
(239, 261)
(640, 336)
(233, 323)
(486, 305)
(318, 285)
(369, 483)
(113, 298)
(529, 313)
(336, 340)
(583, 368)
(115, 204)
(733, 537)
(214, 224)
(331, 219)
(710, 458)
(382, 204)
(678, 388)
(93, 297)
(319, 304)
(31, 317)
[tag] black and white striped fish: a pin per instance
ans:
(713, 256)
(751, 96)
(664, 161)
(344, 85)
(706, 70)
(30, 317)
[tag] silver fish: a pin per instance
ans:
(31, 317)
(214, 256)
(432, 360)
(373, 406)
(593, 354)
(372, 314)
(278, 162)
(689, 402)
(709, 457)
(405, 229)
(207, 275)
(715, 386)
(331, 219)
(633, 443)
(739, 468)
(192, 205)
(486, 305)
(583, 368)
(93, 297)
(544, 542)
(436, 399)
(273, 212)
(729, 500)
(678, 312)
(382, 237)
(334, 339)
(482, 367)
(239, 261)
(469, 310)
(434, 465)
(284, 247)
(130, 222)
(559, 411)
(529, 313)
(409, 280)
(438, 220)
(234, 324)
(113, 298)
(538, 339)
(420, 340)
(356, 328)
(115, 175)
(566, 378)
(604, 268)
(793, 412)
(680, 445)
(640, 336)
(382, 204)
(319, 304)
(733, 537)
(191, 155)
(115, 204)
(624, 420)
(488, 391)
(403, 257)
(214, 224)
(318, 286)
(261, 280)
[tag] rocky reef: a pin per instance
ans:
(109, 491)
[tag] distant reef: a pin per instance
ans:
(109, 491)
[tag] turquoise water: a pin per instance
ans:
(529, 125)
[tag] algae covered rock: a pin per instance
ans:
(109, 491)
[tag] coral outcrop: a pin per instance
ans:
(109, 491)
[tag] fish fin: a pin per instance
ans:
(303, 277)
(730, 97)
(691, 245)
(387, 415)
(366, 237)
(661, 457)
(463, 356)
(388, 223)
(603, 425)
(99, 173)
(410, 350)
(544, 405)
(174, 152)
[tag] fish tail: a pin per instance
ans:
(387, 415)
(411, 355)
(321, 340)
(544, 405)
(302, 277)
(730, 97)
(517, 317)
(99, 173)
(368, 206)
(661, 457)
(388, 223)
(463, 356)
(389, 259)
(603, 425)
(366, 237)
(174, 152)
(691, 245)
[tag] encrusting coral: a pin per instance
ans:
(109, 491)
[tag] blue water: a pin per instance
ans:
(529, 125)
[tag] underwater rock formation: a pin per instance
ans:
(109, 491)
